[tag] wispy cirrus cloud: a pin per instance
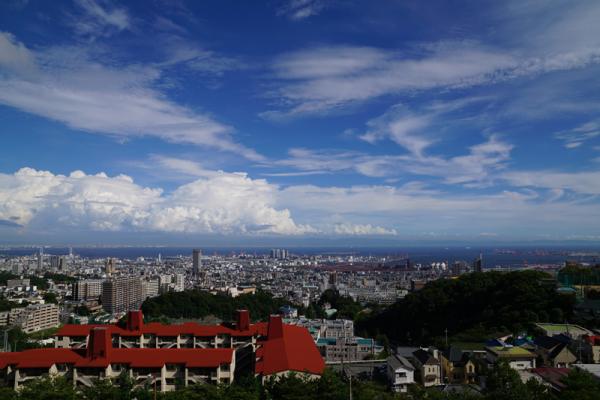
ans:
(582, 182)
(478, 165)
(66, 85)
(576, 137)
(326, 78)
(414, 132)
(181, 51)
(301, 9)
(99, 18)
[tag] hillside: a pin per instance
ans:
(471, 306)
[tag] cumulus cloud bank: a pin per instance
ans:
(228, 203)
(359, 230)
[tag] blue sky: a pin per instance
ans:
(299, 121)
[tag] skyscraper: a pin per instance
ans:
(196, 261)
(57, 263)
(122, 294)
(109, 267)
(478, 264)
(87, 289)
(40, 258)
(279, 254)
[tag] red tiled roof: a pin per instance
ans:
(594, 340)
(552, 375)
(135, 326)
(295, 351)
(136, 358)
(158, 329)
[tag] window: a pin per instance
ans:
(115, 367)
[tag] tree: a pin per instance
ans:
(50, 298)
(473, 304)
(57, 388)
(103, 389)
(504, 383)
(200, 304)
(580, 385)
(291, 387)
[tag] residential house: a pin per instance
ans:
(428, 366)
(554, 352)
(589, 347)
(400, 373)
(517, 358)
(458, 366)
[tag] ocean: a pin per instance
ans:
(493, 256)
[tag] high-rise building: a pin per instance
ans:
(109, 267)
(40, 258)
(57, 263)
(179, 283)
(150, 288)
(122, 294)
(279, 254)
(87, 289)
(196, 261)
(333, 280)
(478, 264)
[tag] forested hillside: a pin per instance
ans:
(200, 304)
(472, 305)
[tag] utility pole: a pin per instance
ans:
(350, 381)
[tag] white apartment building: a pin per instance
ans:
(35, 317)
(87, 289)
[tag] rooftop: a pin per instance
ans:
(511, 351)
(560, 328)
(288, 348)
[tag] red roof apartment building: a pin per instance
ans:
(168, 356)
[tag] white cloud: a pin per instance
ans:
(362, 230)
(419, 211)
(576, 137)
(317, 80)
(402, 127)
(15, 57)
(196, 58)
(100, 19)
(324, 78)
(301, 9)
(224, 203)
(587, 182)
(113, 100)
(478, 165)
(234, 204)
(181, 166)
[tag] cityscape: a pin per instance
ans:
(80, 317)
(299, 199)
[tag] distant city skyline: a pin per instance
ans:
(299, 122)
